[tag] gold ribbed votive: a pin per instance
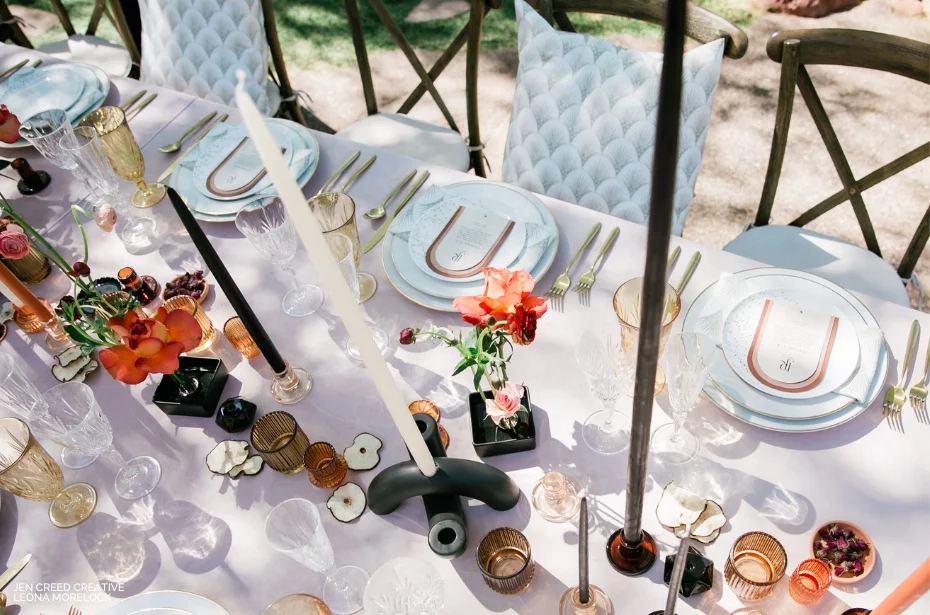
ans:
(810, 581)
(239, 337)
(280, 441)
(186, 303)
(325, 467)
(28, 321)
(757, 562)
(505, 560)
(30, 269)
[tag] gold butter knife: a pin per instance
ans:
(689, 271)
(379, 234)
(12, 70)
(129, 102)
(167, 172)
(142, 105)
(342, 168)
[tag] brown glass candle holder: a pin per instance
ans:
(325, 467)
(240, 339)
(31, 181)
(280, 441)
(505, 560)
(810, 581)
(186, 303)
(757, 562)
(28, 321)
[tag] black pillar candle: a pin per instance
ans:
(31, 181)
(225, 281)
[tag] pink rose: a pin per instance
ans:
(105, 217)
(13, 244)
(506, 402)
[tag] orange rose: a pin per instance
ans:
(150, 345)
(9, 126)
(506, 299)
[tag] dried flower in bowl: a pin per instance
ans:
(846, 549)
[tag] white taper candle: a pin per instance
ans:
(331, 277)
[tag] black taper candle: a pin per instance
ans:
(583, 551)
(225, 281)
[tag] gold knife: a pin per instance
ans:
(348, 183)
(12, 70)
(689, 271)
(387, 223)
(132, 100)
(338, 172)
(167, 172)
(142, 105)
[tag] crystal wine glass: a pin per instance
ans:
(93, 168)
(27, 471)
(124, 154)
(294, 528)
(266, 225)
(343, 249)
(50, 132)
(19, 396)
(85, 429)
(405, 586)
(609, 371)
(688, 358)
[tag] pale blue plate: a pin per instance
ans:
(30, 91)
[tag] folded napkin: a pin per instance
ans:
(538, 236)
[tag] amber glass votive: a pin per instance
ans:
(280, 441)
(186, 303)
(505, 560)
(325, 466)
(809, 581)
(756, 564)
(28, 321)
(239, 337)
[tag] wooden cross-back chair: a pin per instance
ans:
(408, 136)
(702, 25)
(10, 29)
(790, 246)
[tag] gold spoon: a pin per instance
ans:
(170, 148)
(376, 213)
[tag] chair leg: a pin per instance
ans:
(115, 12)
(14, 32)
(789, 77)
(472, 57)
(288, 96)
(62, 15)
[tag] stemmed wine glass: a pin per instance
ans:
(342, 248)
(688, 358)
(271, 232)
(609, 371)
(81, 425)
(294, 528)
(93, 167)
(49, 132)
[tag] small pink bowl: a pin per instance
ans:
(868, 561)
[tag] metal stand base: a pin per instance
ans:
(631, 559)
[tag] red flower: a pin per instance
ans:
(79, 269)
(506, 299)
(9, 126)
(408, 336)
(150, 345)
(14, 244)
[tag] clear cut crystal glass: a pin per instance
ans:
(267, 227)
(688, 358)
(50, 132)
(92, 167)
(80, 425)
(405, 586)
(294, 528)
(344, 250)
(609, 371)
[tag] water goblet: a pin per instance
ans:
(294, 528)
(688, 358)
(27, 471)
(83, 427)
(93, 168)
(609, 371)
(344, 250)
(50, 133)
(124, 153)
(405, 586)
(266, 225)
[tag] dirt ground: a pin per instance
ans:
(877, 117)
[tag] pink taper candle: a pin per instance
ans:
(905, 594)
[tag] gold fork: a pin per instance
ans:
(894, 396)
(587, 278)
(919, 390)
(73, 611)
(563, 282)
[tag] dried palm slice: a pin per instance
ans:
(712, 519)
(7, 311)
(72, 370)
(708, 539)
(226, 455)
(679, 507)
(68, 356)
(363, 454)
(347, 503)
(250, 467)
(82, 375)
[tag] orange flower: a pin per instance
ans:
(506, 299)
(150, 345)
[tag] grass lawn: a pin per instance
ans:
(316, 31)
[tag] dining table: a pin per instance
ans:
(203, 533)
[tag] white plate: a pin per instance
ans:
(753, 416)
(212, 152)
(740, 328)
(430, 225)
(444, 304)
(33, 90)
(178, 601)
(182, 180)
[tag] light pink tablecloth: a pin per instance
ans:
(203, 533)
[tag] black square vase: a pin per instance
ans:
(489, 439)
(211, 375)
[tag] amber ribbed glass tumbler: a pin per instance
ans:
(189, 305)
(505, 560)
(757, 562)
(239, 337)
(325, 466)
(280, 441)
(810, 581)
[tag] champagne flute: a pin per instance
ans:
(344, 250)
(124, 153)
